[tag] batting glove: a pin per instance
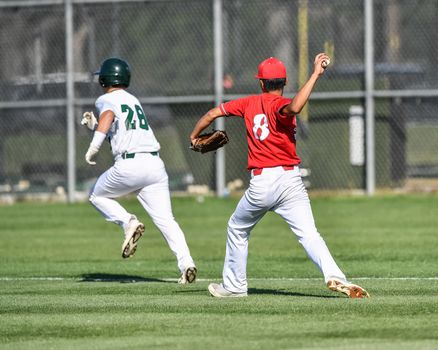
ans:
(89, 120)
(92, 151)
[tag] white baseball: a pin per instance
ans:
(325, 63)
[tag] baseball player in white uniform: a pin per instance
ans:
(276, 183)
(137, 167)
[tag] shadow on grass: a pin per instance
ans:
(260, 291)
(192, 291)
(108, 277)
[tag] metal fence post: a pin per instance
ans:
(71, 147)
(369, 98)
(219, 92)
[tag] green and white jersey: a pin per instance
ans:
(130, 131)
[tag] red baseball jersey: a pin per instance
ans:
(271, 136)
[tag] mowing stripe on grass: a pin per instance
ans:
(210, 279)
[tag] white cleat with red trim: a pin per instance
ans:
(349, 289)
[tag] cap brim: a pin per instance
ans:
(259, 77)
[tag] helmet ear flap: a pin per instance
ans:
(106, 81)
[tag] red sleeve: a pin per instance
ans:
(235, 107)
(281, 103)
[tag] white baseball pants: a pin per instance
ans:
(283, 192)
(145, 175)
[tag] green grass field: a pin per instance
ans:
(63, 284)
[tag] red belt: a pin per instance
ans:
(258, 171)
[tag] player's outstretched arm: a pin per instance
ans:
(204, 122)
(301, 98)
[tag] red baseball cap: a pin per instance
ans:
(271, 68)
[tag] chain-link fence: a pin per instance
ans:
(175, 56)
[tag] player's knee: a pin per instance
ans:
(92, 199)
(231, 224)
(238, 229)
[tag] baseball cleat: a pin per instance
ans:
(188, 276)
(133, 233)
(218, 291)
(349, 289)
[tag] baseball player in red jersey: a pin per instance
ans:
(275, 184)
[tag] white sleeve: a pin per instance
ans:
(102, 105)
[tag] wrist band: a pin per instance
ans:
(98, 139)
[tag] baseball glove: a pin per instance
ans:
(89, 120)
(209, 142)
